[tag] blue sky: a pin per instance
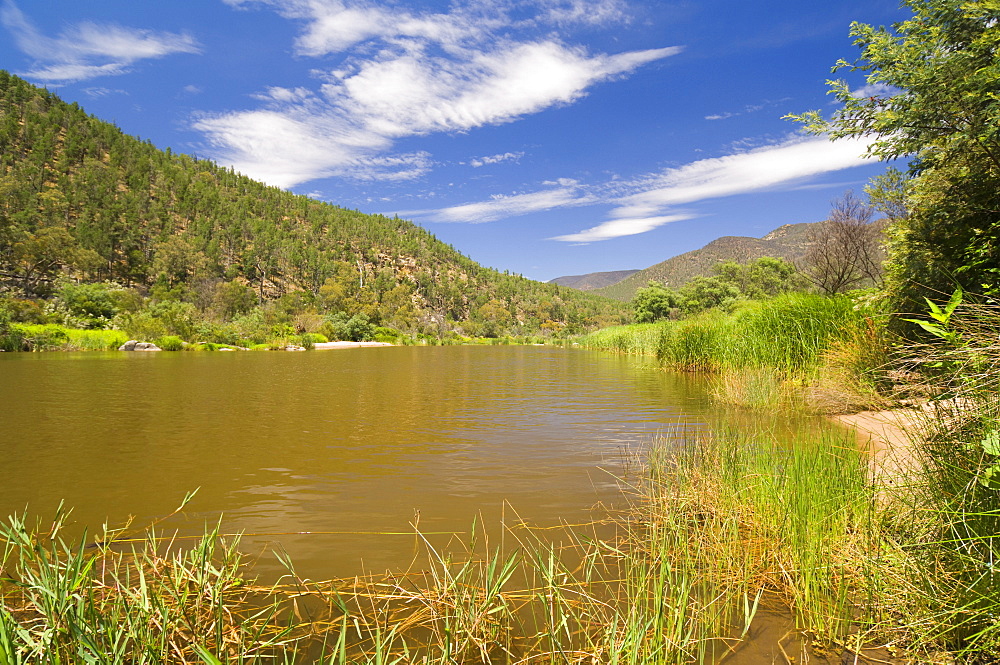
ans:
(544, 137)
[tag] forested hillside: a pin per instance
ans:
(80, 201)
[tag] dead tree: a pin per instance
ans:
(845, 251)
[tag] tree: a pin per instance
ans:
(761, 278)
(703, 293)
(934, 79)
(845, 251)
(654, 302)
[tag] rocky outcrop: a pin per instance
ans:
(135, 345)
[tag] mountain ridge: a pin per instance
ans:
(789, 242)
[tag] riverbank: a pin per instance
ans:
(890, 438)
(319, 346)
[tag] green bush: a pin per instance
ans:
(170, 343)
(92, 304)
(356, 328)
(314, 338)
(44, 337)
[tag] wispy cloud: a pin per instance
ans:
(504, 206)
(477, 162)
(749, 108)
(875, 90)
(650, 201)
(88, 50)
(585, 11)
(402, 74)
(96, 92)
(781, 165)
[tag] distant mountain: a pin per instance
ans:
(593, 280)
(788, 242)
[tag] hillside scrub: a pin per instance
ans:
(101, 230)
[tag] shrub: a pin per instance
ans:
(314, 338)
(92, 303)
(353, 329)
(170, 343)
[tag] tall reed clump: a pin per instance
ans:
(64, 601)
(782, 524)
(722, 526)
(636, 339)
(954, 516)
(789, 332)
(693, 344)
(95, 340)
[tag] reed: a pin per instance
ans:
(95, 340)
(635, 339)
(764, 349)
(72, 601)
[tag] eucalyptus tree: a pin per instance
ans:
(931, 97)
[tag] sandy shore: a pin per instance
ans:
(889, 438)
(346, 345)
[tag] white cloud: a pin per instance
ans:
(585, 11)
(476, 162)
(96, 92)
(651, 201)
(616, 228)
(753, 171)
(782, 165)
(501, 207)
(88, 50)
(875, 90)
(415, 74)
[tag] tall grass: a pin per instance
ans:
(636, 339)
(96, 340)
(956, 499)
(52, 337)
(763, 348)
(65, 601)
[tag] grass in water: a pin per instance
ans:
(719, 527)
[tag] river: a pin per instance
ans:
(350, 445)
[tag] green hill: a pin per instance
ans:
(787, 242)
(81, 200)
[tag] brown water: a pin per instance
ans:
(353, 441)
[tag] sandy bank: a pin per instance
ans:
(346, 345)
(889, 437)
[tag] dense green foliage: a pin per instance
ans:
(729, 283)
(789, 332)
(102, 225)
(935, 78)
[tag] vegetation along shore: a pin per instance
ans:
(885, 556)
